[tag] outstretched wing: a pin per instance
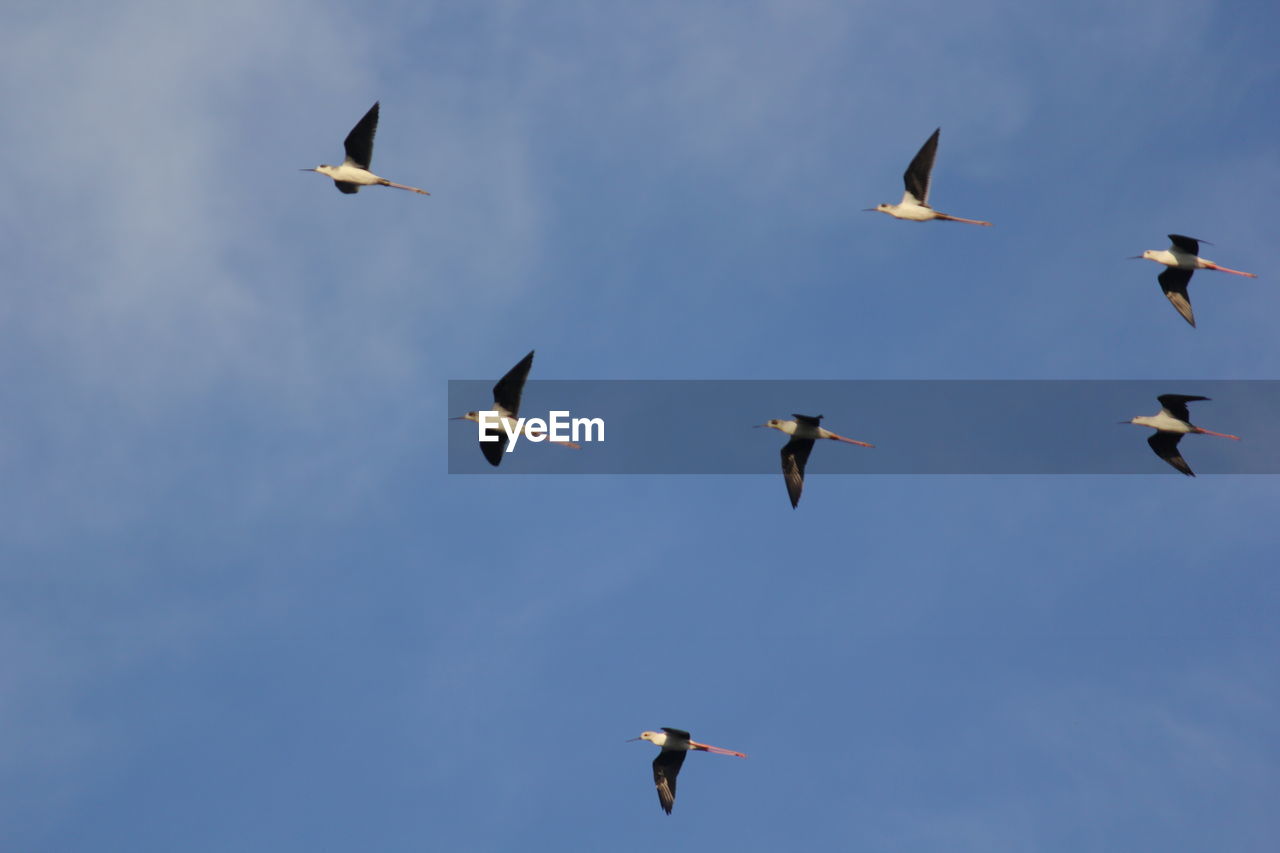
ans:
(1165, 444)
(1176, 404)
(494, 450)
(1173, 282)
(918, 174)
(507, 392)
(795, 454)
(665, 769)
(359, 142)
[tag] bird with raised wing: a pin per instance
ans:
(1182, 259)
(915, 200)
(354, 172)
(804, 431)
(506, 406)
(675, 743)
(1171, 423)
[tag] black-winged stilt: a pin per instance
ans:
(506, 405)
(675, 743)
(915, 201)
(1171, 423)
(1182, 258)
(354, 172)
(804, 430)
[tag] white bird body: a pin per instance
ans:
(665, 741)
(909, 208)
(352, 174)
(1164, 422)
(805, 430)
(1178, 259)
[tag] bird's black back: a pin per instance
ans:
(1187, 244)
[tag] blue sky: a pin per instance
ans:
(244, 605)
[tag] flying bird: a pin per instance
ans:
(354, 172)
(1171, 423)
(675, 743)
(804, 430)
(915, 201)
(1182, 258)
(506, 402)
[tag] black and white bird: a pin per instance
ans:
(1182, 259)
(804, 430)
(506, 405)
(354, 172)
(1171, 423)
(675, 743)
(915, 201)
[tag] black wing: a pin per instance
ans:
(1186, 244)
(1173, 282)
(494, 450)
(795, 454)
(359, 142)
(918, 174)
(507, 392)
(678, 734)
(347, 187)
(1165, 444)
(1176, 404)
(665, 769)
(808, 420)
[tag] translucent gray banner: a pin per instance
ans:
(917, 426)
